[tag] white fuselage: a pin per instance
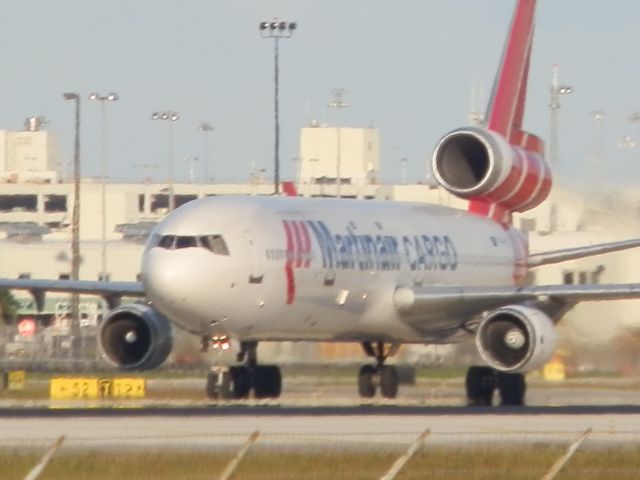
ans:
(279, 268)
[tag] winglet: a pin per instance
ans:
(506, 107)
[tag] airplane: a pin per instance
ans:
(379, 273)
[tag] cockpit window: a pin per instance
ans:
(215, 243)
(167, 241)
(185, 242)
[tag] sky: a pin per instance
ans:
(407, 67)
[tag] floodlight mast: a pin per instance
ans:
(75, 217)
(170, 117)
(276, 30)
(556, 90)
(111, 97)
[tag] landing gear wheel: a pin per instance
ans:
(388, 381)
(480, 384)
(267, 381)
(512, 388)
(383, 375)
(241, 380)
(219, 385)
(366, 387)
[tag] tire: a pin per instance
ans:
(512, 388)
(267, 381)
(276, 381)
(241, 382)
(366, 387)
(480, 384)
(389, 381)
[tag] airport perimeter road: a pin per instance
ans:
(316, 428)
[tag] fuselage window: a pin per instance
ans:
(167, 241)
(215, 243)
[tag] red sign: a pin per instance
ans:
(26, 327)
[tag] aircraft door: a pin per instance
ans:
(256, 266)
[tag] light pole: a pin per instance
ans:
(206, 128)
(111, 97)
(598, 148)
(403, 170)
(169, 117)
(276, 30)
(635, 118)
(75, 219)
(338, 103)
(554, 105)
(191, 161)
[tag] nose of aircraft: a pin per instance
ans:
(172, 283)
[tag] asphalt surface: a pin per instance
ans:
(312, 415)
(318, 428)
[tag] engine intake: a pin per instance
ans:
(474, 163)
(516, 339)
(135, 337)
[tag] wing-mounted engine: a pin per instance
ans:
(516, 339)
(482, 166)
(135, 337)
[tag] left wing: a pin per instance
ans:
(462, 300)
(112, 292)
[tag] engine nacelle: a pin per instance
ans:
(135, 337)
(516, 339)
(474, 163)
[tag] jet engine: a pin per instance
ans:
(474, 163)
(516, 339)
(135, 337)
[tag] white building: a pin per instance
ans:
(27, 156)
(326, 152)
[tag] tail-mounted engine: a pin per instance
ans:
(478, 164)
(516, 339)
(135, 337)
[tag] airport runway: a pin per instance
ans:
(321, 415)
(228, 427)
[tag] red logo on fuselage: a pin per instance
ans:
(298, 252)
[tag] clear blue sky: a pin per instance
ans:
(407, 67)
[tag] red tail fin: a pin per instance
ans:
(500, 168)
(506, 108)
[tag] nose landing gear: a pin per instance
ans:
(239, 381)
(380, 375)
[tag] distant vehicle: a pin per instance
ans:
(252, 269)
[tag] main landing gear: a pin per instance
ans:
(481, 382)
(380, 375)
(237, 382)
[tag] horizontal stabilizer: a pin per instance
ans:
(557, 256)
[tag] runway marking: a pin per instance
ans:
(44, 461)
(558, 464)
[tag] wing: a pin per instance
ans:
(470, 300)
(112, 292)
(556, 256)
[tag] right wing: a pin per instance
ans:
(470, 300)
